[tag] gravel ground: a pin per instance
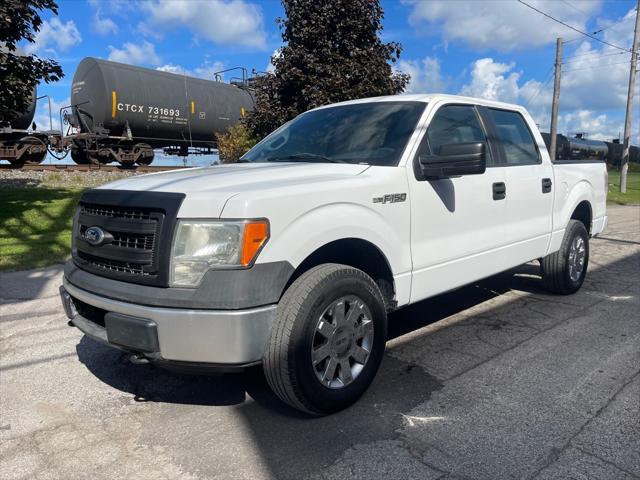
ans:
(497, 380)
(59, 179)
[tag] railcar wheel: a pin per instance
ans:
(79, 156)
(36, 151)
(144, 152)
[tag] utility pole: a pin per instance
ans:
(624, 165)
(556, 100)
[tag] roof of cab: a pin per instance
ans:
(431, 97)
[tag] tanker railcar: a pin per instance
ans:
(122, 113)
(578, 148)
(18, 144)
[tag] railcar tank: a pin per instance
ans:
(122, 112)
(18, 144)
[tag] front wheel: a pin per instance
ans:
(328, 339)
(564, 271)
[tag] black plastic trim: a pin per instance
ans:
(568, 162)
(260, 285)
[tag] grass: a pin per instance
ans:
(632, 196)
(35, 226)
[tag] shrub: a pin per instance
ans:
(234, 143)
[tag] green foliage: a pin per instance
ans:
(20, 20)
(234, 143)
(332, 52)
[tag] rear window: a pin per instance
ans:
(518, 142)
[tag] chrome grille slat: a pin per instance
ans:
(116, 212)
(113, 265)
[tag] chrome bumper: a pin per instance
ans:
(233, 337)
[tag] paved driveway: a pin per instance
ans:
(496, 380)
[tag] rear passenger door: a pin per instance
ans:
(528, 183)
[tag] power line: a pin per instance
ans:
(595, 56)
(575, 8)
(612, 25)
(572, 27)
(595, 66)
(540, 87)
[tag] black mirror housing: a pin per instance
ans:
(454, 160)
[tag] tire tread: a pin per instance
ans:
(277, 362)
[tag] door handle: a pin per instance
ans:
(546, 185)
(499, 191)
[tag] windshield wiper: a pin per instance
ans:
(305, 157)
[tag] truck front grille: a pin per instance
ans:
(137, 227)
(131, 268)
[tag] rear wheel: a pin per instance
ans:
(564, 271)
(328, 339)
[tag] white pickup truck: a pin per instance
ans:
(293, 257)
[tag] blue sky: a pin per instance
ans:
(494, 49)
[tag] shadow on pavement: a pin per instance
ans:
(293, 445)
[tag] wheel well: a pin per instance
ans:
(582, 213)
(356, 253)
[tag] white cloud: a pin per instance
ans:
(494, 81)
(499, 24)
(220, 21)
(41, 117)
(206, 70)
(426, 75)
(103, 25)
(596, 126)
(270, 68)
(54, 35)
(580, 109)
(135, 54)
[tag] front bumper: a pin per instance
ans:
(222, 337)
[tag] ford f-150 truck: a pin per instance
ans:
(293, 257)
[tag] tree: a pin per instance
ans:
(19, 72)
(234, 143)
(332, 52)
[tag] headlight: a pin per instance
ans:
(200, 245)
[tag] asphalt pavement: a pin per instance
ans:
(497, 380)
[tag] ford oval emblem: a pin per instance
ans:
(94, 236)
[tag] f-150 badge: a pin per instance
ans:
(391, 198)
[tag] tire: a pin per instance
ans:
(310, 306)
(560, 274)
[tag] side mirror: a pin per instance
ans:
(453, 160)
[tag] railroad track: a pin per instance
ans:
(89, 168)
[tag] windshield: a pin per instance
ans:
(371, 133)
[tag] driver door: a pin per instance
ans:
(457, 224)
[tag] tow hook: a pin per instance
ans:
(138, 359)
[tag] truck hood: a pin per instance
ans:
(207, 189)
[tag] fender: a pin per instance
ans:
(324, 224)
(566, 201)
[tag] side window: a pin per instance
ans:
(454, 124)
(519, 145)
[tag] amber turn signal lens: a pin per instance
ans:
(255, 235)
